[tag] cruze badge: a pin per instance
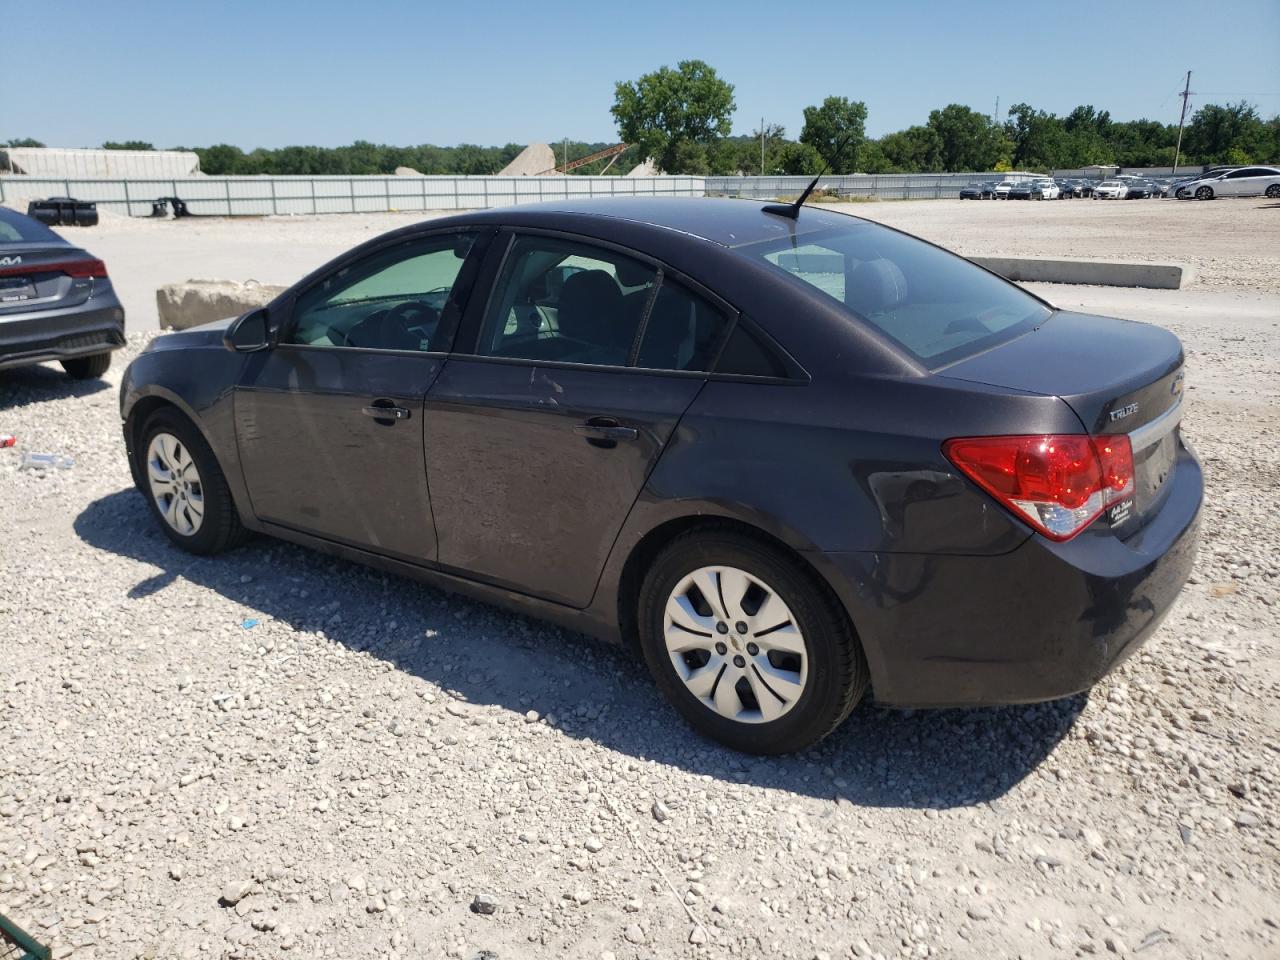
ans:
(1123, 412)
(10, 261)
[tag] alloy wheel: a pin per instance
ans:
(1273, 191)
(175, 484)
(735, 644)
(1204, 193)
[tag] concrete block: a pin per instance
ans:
(190, 304)
(1102, 273)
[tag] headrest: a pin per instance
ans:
(875, 286)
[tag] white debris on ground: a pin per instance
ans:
(273, 753)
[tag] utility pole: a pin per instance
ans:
(995, 118)
(762, 146)
(1186, 95)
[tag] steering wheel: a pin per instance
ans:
(389, 329)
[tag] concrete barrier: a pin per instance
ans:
(1102, 273)
(190, 304)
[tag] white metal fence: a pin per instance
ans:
(260, 196)
(257, 196)
(897, 186)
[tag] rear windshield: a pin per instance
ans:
(15, 228)
(937, 306)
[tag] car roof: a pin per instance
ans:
(729, 222)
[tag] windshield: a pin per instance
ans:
(15, 228)
(937, 306)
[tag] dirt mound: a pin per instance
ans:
(534, 159)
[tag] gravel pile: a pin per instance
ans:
(272, 753)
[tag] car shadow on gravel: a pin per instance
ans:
(591, 691)
(21, 386)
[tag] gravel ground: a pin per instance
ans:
(273, 753)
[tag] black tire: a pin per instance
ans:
(87, 368)
(220, 528)
(1204, 193)
(1273, 191)
(837, 669)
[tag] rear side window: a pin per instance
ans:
(15, 228)
(564, 301)
(683, 331)
(937, 306)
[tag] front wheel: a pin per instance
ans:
(1273, 191)
(87, 368)
(1204, 193)
(184, 485)
(751, 649)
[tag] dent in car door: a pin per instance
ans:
(313, 459)
(526, 494)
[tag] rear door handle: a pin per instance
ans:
(605, 429)
(385, 410)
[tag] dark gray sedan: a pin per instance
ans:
(56, 301)
(789, 455)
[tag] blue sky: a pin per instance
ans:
(270, 72)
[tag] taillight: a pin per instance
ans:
(83, 268)
(1058, 484)
(79, 269)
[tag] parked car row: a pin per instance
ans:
(1216, 182)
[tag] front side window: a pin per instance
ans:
(570, 302)
(391, 300)
(937, 306)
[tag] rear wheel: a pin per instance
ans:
(1204, 193)
(87, 368)
(1273, 191)
(184, 485)
(746, 644)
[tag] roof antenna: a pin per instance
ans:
(792, 210)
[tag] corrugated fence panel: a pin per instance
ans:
(259, 196)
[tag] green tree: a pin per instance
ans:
(675, 116)
(128, 145)
(795, 159)
(968, 140)
(1228, 134)
(913, 150)
(836, 130)
(872, 159)
(222, 159)
(23, 142)
(1040, 141)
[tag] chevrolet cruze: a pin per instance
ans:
(789, 455)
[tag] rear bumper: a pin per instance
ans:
(95, 326)
(1044, 621)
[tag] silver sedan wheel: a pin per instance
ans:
(175, 483)
(736, 645)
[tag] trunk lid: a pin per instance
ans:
(30, 278)
(1118, 376)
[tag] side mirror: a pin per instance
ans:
(249, 333)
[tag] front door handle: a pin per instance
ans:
(605, 431)
(386, 410)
